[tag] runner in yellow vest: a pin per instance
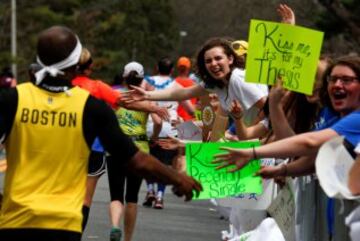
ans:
(132, 123)
(49, 127)
(2, 169)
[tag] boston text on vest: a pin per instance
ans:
(44, 117)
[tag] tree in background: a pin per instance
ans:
(202, 19)
(99, 25)
(340, 20)
(114, 31)
(150, 30)
(32, 17)
(117, 32)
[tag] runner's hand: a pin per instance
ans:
(170, 143)
(187, 186)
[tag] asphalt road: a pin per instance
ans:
(178, 221)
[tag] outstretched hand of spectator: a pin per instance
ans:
(278, 94)
(234, 156)
(286, 13)
(135, 94)
(236, 111)
(269, 172)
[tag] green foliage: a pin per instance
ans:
(353, 6)
(150, 30)
(330, 24)
(5, 34)
(114, 31)
(119, 31)
(340, 22)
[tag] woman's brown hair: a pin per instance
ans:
(200, 67)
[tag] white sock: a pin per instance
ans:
(150, 187)
(159, 194)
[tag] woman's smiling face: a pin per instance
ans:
(344, 89)
(217, 63)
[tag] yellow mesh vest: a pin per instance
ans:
(47, 161)
(133, 123)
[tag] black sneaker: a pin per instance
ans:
(149, 199)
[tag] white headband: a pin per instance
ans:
(56, 68)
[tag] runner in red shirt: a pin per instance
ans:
(183, 68)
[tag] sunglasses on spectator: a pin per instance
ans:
(345, 80)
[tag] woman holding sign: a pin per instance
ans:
(262, 128)
(222, 72)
